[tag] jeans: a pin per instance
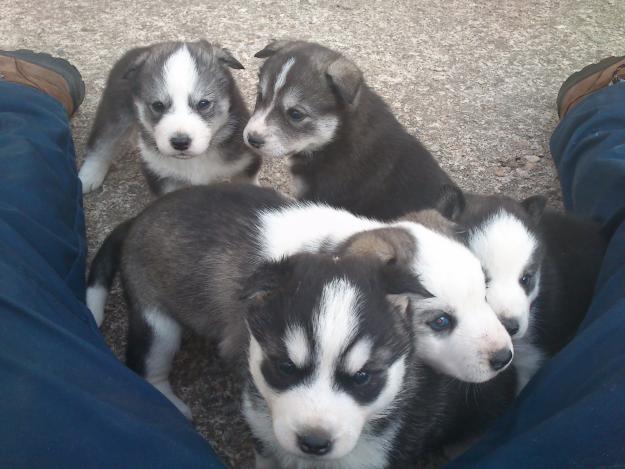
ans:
(65, 400)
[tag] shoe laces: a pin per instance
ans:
(619, 74)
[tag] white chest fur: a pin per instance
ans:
(202, 169)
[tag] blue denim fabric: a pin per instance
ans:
(65, 400)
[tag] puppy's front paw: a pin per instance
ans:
(92, 174)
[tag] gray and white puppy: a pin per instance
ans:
(188, 111)
(343, 144)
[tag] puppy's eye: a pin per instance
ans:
(203, 104)
(287, 367)
(158, 106)
(526, 279)
(360, 378)
(441, 323)
(295, 114)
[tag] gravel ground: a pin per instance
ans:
(475, 80)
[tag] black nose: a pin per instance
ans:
(180, 142)
(255, 140)
(500, 359)
(511, 325)
(315, 442)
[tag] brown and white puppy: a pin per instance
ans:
(188, 111)
(343, 144)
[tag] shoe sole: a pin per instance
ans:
(584, 73)
(56, 64)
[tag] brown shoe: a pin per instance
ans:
(52, 75)
(588, 80)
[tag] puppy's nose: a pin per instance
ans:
(316, 442)
(180, 142)
(255, 140)
(511, 325)
(500, 359)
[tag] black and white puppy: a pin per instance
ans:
(333, 379)
(343, 144)
(540, 265)
(183, 259)
(188, 111)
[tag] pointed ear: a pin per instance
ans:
(136, 63)
(401, 303)
(451, 202)
(535, 206)
(392, 246)
(225, 57)
(271, 48)
(345, 78)
(265, 281)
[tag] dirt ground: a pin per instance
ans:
(475, 80)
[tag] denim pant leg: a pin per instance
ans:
(67, 402)
(572, 414)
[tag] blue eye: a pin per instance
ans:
(295, 114)
(287, 367)
(440, 323)
(158, 106)
(526, 279)
(361, 378)
(203, 104)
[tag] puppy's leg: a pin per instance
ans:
(153, 340)
(111, 127)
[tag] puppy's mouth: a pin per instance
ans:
(182, 156)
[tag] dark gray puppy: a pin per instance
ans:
(343, 144)
(189, 113)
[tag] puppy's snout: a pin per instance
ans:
(511, 325)
(180, 142)
(255, 140)
(500, 359)
(315, 442)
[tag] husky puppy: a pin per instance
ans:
(540, 267)
(333, 380)
(183, 259)
(343, 145)
(188, 111)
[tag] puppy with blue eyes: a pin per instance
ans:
(540, 267)
(188, 111)
(341, 141)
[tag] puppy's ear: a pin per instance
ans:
(402, 288)
(271, 48)
(136, 63)
(392, 246)
(265, 281)
(451, 202)
(535, 206)
(225, 57)
(345, 78)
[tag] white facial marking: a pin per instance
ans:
(358, 356)
(258, 122)
(453, 275)
(505, 247)
(317, 403)
(296, 344)
(180, 76)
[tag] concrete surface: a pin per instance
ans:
(475, 80)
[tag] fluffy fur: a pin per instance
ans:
(189, 114)
(343, 145)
